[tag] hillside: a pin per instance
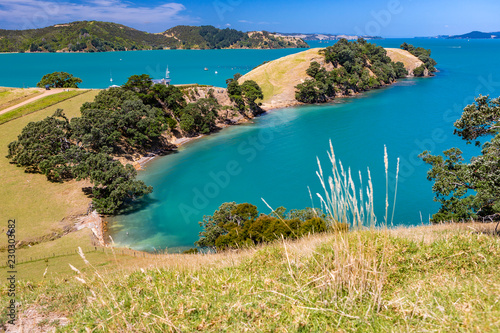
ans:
(477, 35)
(96, 36)
(278, 78)
(209, 37)
(435, 278)
(325, 37)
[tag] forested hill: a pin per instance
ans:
(96, 36)
(477, 35)
(209, 37)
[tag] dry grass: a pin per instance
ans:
(279, 77)
(351, 282)
(430, 233)
(409, 60)
(13, 96)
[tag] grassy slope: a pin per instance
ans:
(279, 77)
(40, 104)
(37, 205)
(13, 96)
(409, 60)
(444, 281)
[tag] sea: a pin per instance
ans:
(273, 161)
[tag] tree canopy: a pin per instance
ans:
(358, 66)
(237, 225)
(470, 190)
(59, 80)
(244, 96)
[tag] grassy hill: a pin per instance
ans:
(279, 77)
(96, 36)
(436, 278)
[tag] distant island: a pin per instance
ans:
(477, 35)
(325, 37)
(97, 36)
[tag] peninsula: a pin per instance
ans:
(280, 78)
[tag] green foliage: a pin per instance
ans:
(422, 54)
(59, 80)
(141, 84)
(237, 225)
(251, 92)
(200, 116)
(244, 96)
(49, 147)
(419, 71)
(82, 36)
(116, 115)
(469, 190)
(353, 62)
(41, 143)
(113, 183)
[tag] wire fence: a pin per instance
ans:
(94, 249)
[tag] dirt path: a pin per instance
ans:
(44, 94)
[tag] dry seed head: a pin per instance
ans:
(80, 279)
(80, 252)
(74, 268)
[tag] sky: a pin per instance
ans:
(386, 18)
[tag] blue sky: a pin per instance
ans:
(387, 18)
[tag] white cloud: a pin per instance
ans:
(26, 14)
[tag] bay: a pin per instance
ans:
(275, 157)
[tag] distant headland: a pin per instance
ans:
(97, 36)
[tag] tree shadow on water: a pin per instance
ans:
(135, 206)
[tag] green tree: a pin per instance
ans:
(113, 183)
(59, 80)
(200, 116)
(251, 92)
(419, 71)
(139, 84)
(235, 93)
(239, 225)
(41, 146)
(469, 190)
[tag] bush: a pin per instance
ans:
(240, 225)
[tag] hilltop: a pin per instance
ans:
(96, 36)
(279, 78)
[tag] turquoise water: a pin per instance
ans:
(275, 157)
(96, 69)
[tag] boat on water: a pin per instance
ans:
(206, 69)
